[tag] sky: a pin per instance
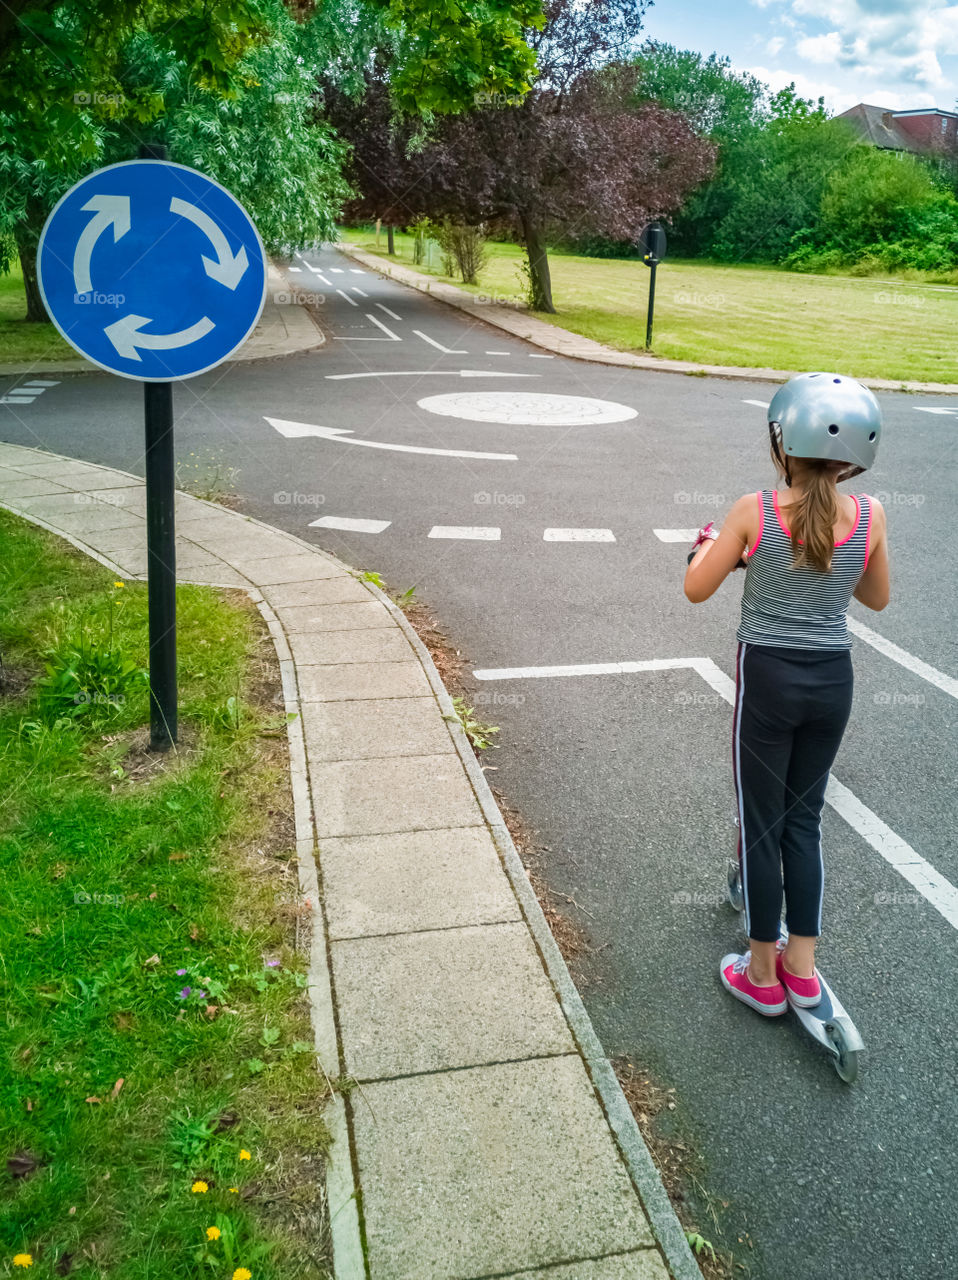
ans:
(898, 54)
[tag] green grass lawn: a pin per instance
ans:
(33, 344)
(734, 315)
(159, 1100)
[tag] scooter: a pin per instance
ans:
(827, 1022)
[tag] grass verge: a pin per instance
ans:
(22, 343)
(757, 317)
(160, 1111)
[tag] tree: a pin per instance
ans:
(228, 85)
(572, 154)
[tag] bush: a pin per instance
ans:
(462, 246)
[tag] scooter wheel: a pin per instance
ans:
(736, 896)
(846, 1060)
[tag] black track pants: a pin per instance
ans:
(791, 708)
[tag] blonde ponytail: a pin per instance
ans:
(814, 515)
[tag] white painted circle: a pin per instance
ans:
(526, 408)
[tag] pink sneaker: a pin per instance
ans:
(733, 971)
(805, 992)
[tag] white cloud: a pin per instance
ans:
(840, 96)
(775, 46)
(825, 48)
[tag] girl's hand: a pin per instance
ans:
(713, 562)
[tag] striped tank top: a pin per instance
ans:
(796, 606)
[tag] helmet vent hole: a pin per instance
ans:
(836, 379)
(871, 435)
(833, 429)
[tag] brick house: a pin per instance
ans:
(927, 131)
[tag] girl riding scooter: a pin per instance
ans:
(806, 552)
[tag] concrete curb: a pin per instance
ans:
(299, 333)
(564, 343)
(666, 1227)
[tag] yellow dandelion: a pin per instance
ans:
(245, 1155)
(234, 1190)
(241, 1273)
(212, 1233)
(119, 584)
(26, 1260)
(199, 1187)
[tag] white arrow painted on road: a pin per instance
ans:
(109, 211)
(126, 337)
(227, 269)
(298, 430)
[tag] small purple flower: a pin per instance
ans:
(200, 994)
(272, 964)
(185, 992)
(180, 972)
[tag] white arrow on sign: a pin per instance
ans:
(109, 211)
(126, 337)
(298, 430)
(227, 269)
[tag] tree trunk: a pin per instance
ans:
(539, 277)
(27, 235)
(379, 227)
(390, 239)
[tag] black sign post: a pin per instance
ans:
(160, 547)
(653, 244)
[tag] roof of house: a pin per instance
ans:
(877, 126)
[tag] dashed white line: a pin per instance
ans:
(449, 351)
(336, 271)
(533, 356)
(379, 325)
(478, 532)
(676, 535)
(945, 412)
(578, 535)
(356, 289)
(343, 294)
(392, 315)
(948, 684)
(17, 399)
(498, 353)
(357, 271)
(297, 269)
(759, 404)
(350, 525)
(316, 272)
(585, 669)
(428, 373)
(41, 382)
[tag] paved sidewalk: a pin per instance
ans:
(284, 328)
(550, 337)
(488, 1135)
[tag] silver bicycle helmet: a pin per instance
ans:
(826, 415)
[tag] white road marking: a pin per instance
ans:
(449, 351)
(533, 356)
(17, 399)
(909, 864)
(336, 271)
(676, 535)
(300, 430)
(392, 315)
(316, 272)
(526, 409)
(298, 269)
(760, 404)
(478, 532)
(948, 684)
(921, 409)
(41, 382)
(431, 373)
(357, 271)
(356, 289)
(343, 294)
(498, 353)
(379, 325)
(578, 535)
(351, 526)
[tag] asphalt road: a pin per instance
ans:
(627, 776)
